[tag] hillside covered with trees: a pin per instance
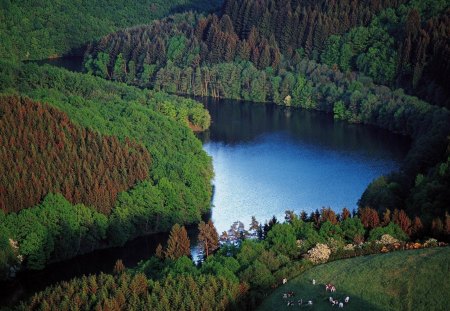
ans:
(42, 29)
(398, 44)
(44, 152)
(174, 172)
(352, 71)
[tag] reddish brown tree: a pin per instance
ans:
(416, 227)
(369, 217)
(386, 217)
(159, 252)
(447, 223)
(178, 244)
(327, 214)
(208, 237)
(402, 220)
(345, 214)
(437, 227)
(119, 267)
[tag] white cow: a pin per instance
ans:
(347, 299)
(309, 302)
(314, 282)
(341, 305)
(284, 281)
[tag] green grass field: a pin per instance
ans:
(403, 280)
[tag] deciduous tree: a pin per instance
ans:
(208, 237)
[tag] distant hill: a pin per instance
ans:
(42, 29)
(403, 280)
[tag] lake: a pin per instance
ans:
(269, 159)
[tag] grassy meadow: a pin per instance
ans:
(402, 280)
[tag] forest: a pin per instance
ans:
(364, 71)
(95, 159)
(385, 41)
(40, 29)
(172, 183)
(42, 149)
(236, 276)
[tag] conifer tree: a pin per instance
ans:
(386, 217)
(178, 244)
(345, 214)
(254, 225)
(417, 227)
(159, 252)
(119, 267)
(369, 217)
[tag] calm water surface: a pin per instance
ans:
(269, 159)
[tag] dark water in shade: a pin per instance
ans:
(268, 159)
(29, 282)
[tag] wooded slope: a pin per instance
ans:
(43, 151)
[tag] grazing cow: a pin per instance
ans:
(332, 289)
(285, 295)
(314, 282)
(284, 281)
(329, 287)
(300, 302)
(291, 294)
(341, 305)
(309, 302)
(331, 299)
(347, 299)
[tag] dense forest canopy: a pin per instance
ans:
(42, 29)
(176, 188)
(299, 23)
(398, 44)
(42, 152)
(352, 72)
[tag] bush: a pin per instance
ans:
(430, 243)
(319, 254)
(387, 239)
(392, 229)
(335, 244)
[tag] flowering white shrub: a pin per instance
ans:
(387, 239)
(349, 247)
(319, 254)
